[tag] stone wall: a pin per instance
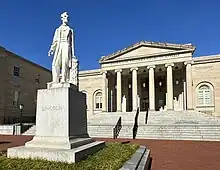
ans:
(90, 82)
(2, 77)
(25, 84)
(206, 71)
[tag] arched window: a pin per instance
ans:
(204, 95)
(98, 100)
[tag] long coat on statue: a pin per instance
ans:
(56, 44)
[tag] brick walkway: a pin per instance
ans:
(166, 155)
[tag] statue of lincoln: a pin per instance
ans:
(63, 50)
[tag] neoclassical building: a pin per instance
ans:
(154, 76)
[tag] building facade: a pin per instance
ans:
(154, 76)
(19, 81)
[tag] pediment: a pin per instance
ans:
(144, 49)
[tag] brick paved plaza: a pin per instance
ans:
(166, 155)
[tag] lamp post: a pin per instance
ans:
(21, 106)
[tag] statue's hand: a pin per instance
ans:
(50, 52)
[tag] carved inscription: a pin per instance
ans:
(51, 108)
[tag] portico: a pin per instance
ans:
(154, 76)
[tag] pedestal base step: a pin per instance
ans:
(58, 155)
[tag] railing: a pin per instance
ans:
(117, 128)
(146, 116)
(135, 127)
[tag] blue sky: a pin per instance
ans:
(102, 27)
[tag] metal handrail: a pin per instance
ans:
(146, 116)
(117, 128)
(135, 127)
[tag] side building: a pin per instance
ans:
(155, 76)
(19, 81)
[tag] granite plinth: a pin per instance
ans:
(61, 113)
(58, 143)
(54, 154)
(61, 127)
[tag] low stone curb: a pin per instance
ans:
(138, 160)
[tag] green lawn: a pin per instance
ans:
(110, 158)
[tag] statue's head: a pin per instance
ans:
(65, 17)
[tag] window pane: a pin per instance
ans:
(16, 71)
(98, 100)
(204, 95)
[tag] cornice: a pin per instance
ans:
(85, 73)
(206, 59)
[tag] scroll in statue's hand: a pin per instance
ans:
(50, 52)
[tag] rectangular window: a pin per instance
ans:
(16, 71)
(37, 79)
(16, 97)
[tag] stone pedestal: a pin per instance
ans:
(61, 127)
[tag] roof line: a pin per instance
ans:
(152, 44)
(30, 62)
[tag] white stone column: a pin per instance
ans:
(104, 91)
(151, 87)
(119, 91)
(184, 95)
(134, 88)
(189, 87)
(169, 86)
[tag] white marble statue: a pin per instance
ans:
(63, 50)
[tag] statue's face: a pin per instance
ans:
(65, 18)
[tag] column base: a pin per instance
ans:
(190, 109)
(170, 109)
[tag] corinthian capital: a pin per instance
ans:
(188, 62)
(135, 68)
(118, 70)
(151, 66)
(169, 64)
(103, 72)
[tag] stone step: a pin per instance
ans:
(180, 138)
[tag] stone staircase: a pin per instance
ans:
(30, 131)
(181, 117)
(179, 132)
(101, 131)
(111, 118)
(126, 132)
(180, 125)
(172, 125)
(102, 124)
